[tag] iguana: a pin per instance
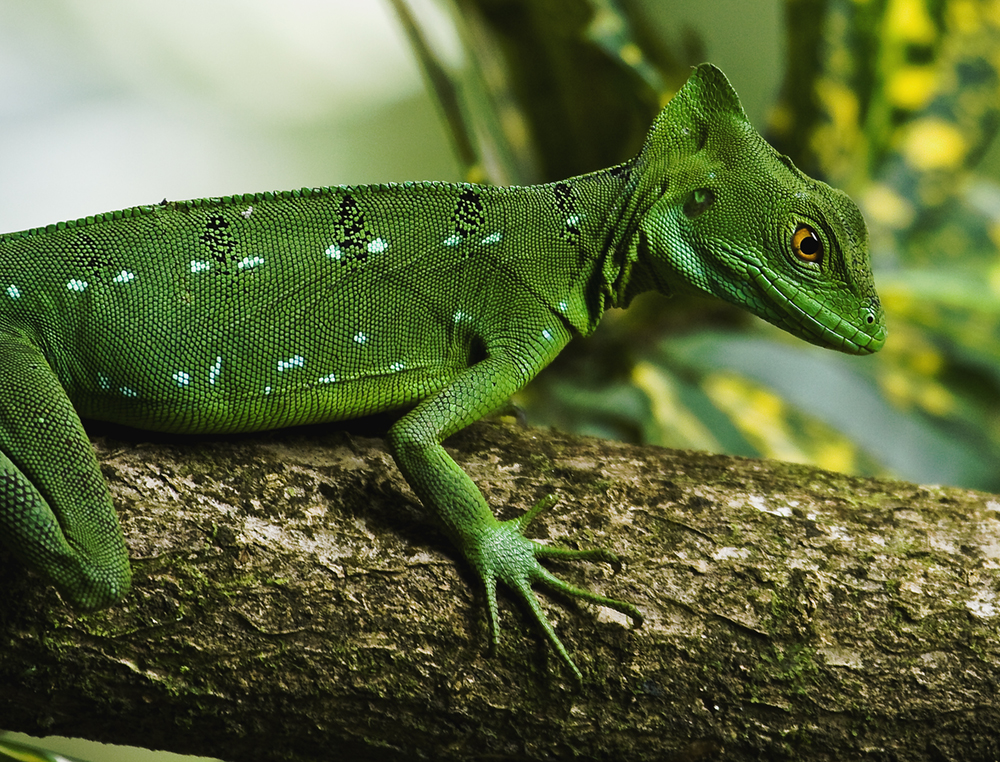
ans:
(439, 300)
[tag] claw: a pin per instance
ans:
(522, 521)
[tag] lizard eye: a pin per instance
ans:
(806, 244)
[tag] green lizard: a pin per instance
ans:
(268, 310)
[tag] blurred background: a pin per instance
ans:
(106, 104)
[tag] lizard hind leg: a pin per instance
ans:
(56, 512)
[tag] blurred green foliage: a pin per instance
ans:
(895, 101)
(13, 751)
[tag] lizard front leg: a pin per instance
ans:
(497, 550)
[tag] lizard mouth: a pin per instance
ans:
(862, 333)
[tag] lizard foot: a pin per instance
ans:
(505, 554)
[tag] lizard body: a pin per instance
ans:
(268, 310)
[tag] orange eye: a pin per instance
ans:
(806, 244)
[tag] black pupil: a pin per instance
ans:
(809, 245)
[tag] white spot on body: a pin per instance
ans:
(13, 291)
(248, 262)
(453, 240)
(124, 277)
(563, 306)
(292, 362)
(127, 391)
(331, 379)
(493, 238)
(215, 370)
(182, 378)
(377, 246)
(396, 367)
(547, 334)
(573, 219)
(247, 212)
(360, 338)
(103, 381)
(333, 252)
(200, 265)
(76, 285)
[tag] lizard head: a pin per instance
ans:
(727, 215)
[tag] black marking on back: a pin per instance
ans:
(218, 241)
(621, 171)
(86, 254)
(349, 230)
(468, 218)
(568, 212)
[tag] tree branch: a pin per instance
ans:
(289, 600)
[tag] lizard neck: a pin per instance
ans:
(607, 226)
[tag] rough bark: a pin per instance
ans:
(291, 603)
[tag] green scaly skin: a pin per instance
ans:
(274, 309)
